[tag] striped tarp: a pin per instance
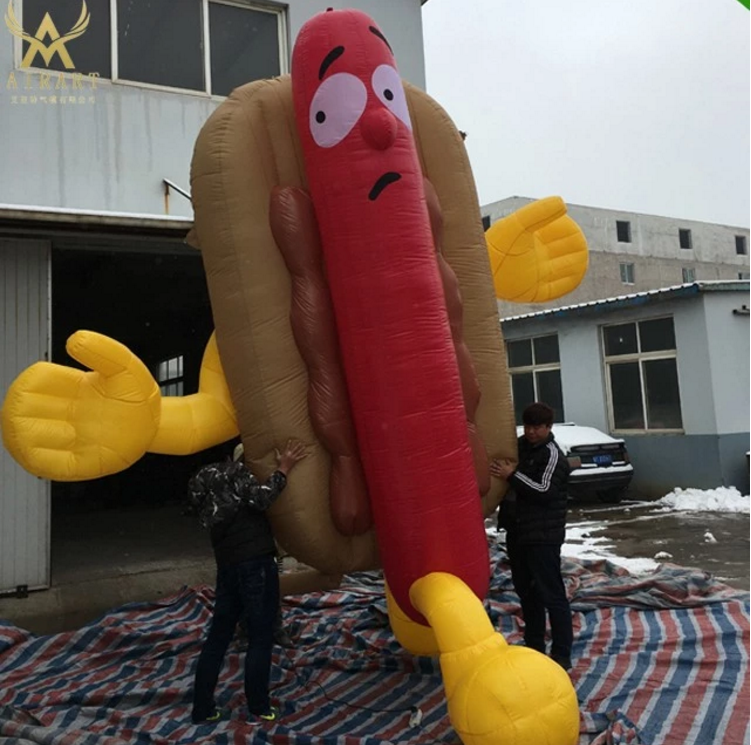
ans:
(661, 660)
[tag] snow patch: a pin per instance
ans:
(581, 544)
(722, 499)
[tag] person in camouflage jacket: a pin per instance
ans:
(231, 503)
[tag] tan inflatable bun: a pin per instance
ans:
(248, 147)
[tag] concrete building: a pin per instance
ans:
(99, 133)
(667, 370)
(631, 252)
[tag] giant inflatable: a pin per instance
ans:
(352, 292)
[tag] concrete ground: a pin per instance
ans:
(104, 559)
(640, 530)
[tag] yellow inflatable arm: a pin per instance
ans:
(537, 253)
(193, 423)
(66, 424)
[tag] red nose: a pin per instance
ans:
(378, 127)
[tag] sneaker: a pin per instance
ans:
(213, 718)
(270, 715)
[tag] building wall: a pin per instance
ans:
(713, 375)
(695, 371)
(654, 251)
(728, 354)
(24, 499)
(112, 154)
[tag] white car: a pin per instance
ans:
(599, 463)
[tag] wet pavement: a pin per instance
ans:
(644, 536)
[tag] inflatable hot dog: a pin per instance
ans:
(354, 310)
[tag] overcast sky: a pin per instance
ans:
(640, 105)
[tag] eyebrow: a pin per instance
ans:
(328, 60)
(375, 31)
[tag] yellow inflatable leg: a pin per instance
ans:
(497, 694)
(414, 637)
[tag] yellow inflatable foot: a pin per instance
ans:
(497, 694)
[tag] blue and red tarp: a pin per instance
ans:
(659, 660)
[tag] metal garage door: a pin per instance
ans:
(24, 339)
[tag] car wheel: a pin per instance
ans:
(610, 496)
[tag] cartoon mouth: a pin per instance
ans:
(382, 183)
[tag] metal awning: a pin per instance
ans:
(15, 217)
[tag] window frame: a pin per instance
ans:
(265, 7)
(630, 269)
(533, 369)
(638, 357)
(686, 271)
(629, 236)
(685, 232)
(178, 380)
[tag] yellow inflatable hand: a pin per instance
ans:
(69, 425)
(537, 253)
(497, 694)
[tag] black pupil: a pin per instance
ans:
(320, 117)
(388, 95)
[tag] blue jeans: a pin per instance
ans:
(249, 591)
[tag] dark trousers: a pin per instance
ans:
(536, 573)
(249, 590)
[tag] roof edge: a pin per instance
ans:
(638, 298)
(23, 213)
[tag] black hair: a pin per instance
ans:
(538, 413)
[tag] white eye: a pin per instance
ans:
(388, 87)
(336, 107)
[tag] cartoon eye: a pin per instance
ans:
(388, 87)
(336, 107)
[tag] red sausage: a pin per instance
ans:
(399, 359)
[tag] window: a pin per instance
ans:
(684, 238)
(642, 375)
(623, 229)
(627, 274)
(208, 46)
(244, 46)
(535, 368)
(741, 245)
(485, 222)
(743, 275)
(170, 376)
(689, 274)
(161, 43)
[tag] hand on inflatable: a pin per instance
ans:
(537, 253)
(293, 453)
(65, 424)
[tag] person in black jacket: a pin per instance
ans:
(231, 502)
(534, 516)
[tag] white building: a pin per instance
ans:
(98, 143)
(631, 252)
(667, 370)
